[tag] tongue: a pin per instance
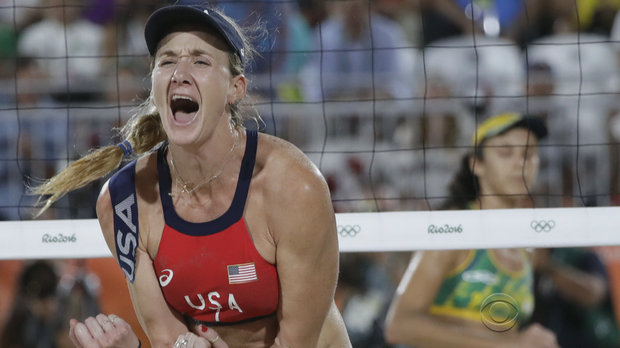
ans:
(183, 117)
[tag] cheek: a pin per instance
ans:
(497, 176)
(500, 175)
(491, 174)
(213, 85)
(532, 170)
(496, 168)
(159, 86)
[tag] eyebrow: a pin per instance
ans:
(194, 52)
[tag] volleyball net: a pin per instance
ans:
(386, 119)
(364, 232)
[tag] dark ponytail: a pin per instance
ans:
(465, 187)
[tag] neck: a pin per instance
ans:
(499, 202)
(194, 166)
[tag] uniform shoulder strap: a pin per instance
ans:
(123, 194)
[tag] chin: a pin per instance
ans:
(182, 135)
(182, 138)
(520, 193)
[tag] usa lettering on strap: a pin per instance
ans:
(123, 195)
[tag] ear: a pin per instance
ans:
(476, 165)
(238, 88)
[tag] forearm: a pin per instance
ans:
(162, 336)
(428, 331)
(161, 343)
(160, 322)
(580, 287)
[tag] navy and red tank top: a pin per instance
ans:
(210, 272)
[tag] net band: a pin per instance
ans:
(364, 232)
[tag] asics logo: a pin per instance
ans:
(165, 279)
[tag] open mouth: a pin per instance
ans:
(184, 108)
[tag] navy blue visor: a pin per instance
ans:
(162, 20)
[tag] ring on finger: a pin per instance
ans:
(112, 319)
(184, 343)
(214, 340)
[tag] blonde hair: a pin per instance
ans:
(143, 131)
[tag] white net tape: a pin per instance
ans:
(365, 232)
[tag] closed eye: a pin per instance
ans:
(504, 152)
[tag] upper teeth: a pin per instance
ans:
(175, 97)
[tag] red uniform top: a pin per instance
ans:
(211, 272)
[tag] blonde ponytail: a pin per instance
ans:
(143, 132)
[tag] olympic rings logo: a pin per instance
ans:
(542, 225)
(349, 230)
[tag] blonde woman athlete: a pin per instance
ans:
(217, 228)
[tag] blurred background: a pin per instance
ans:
(383, 95)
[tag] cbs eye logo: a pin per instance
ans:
(499, 312)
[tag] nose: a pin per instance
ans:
(181, 73)
(517, 160)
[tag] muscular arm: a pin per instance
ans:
(302, 222)
(409, 321)
(160, 322)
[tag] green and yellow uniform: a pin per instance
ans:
(467, 288)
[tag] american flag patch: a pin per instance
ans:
(244, 273)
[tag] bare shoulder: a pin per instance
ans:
(286, 170)
(295, 195)
(104, 204)
(440, 261)
(431, 264)
(105, 215)
(443, 256)
(421, 281)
